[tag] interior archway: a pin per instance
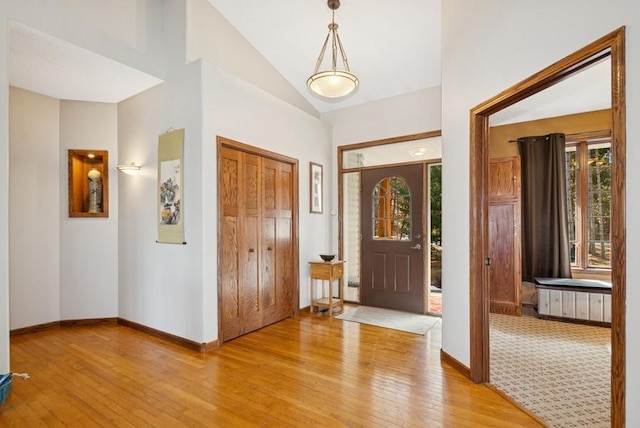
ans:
(611, 45)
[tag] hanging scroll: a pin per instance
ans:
(170, 188)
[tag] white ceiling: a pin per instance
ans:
(589, 90)
(393, 47)
(44, 64)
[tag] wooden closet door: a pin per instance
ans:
(231, 171)
(269, 237)
(285, 294)
(504, 236)
(256, 245)
(250, 258)
(276, 265)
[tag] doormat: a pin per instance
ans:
(387, 318)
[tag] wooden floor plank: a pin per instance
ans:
(307, 371)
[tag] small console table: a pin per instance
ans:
(326, 271)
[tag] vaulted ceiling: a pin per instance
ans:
(393, 47)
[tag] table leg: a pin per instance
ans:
(330, 297)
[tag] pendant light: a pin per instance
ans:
(333, 83)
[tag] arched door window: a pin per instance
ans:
(391, 211)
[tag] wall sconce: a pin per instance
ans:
(130, 169)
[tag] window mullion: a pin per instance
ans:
(583, 199)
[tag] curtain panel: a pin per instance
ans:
(545, 227)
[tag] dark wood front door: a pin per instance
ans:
(393, 253)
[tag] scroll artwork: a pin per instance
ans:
(170, 187)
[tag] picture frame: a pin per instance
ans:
(315, 188)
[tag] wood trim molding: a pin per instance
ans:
(209, 346)
(168, 337)
(342, 170)
(618, 229)
(611, 45)
(62, 324)
(586, 136)
(236, 145)
(305, 310)
(392, 140)
(35, 328)
(88, 322)
(455, 364)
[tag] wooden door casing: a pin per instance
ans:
(256, 245)
(505, 273)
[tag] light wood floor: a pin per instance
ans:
(307, 371)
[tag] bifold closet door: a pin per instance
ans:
(276, 241)
(256, 242)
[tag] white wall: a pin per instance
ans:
(128, 31)
(407, 114)
(34, 208)
(60, 267)
(4, 194)
(233, 108)
(173, 288)
(488, 46)
(211, 37)
(88, 246)
(161, 285)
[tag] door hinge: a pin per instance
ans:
(487, 261)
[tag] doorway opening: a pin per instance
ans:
(611, 46)
(356, 161)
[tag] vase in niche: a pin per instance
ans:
(95, 191)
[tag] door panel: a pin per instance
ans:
(284, 242)
(403, 274)
(230, 282)
(284, 269)
(379, 271)
(393, 238)
(502, 251)
(505, 289)
(251, 317)
(268, 261)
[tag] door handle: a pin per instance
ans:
(416, 247)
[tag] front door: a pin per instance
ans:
(393, 238)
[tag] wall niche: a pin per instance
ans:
(88, 183)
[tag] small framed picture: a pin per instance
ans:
(315, 187)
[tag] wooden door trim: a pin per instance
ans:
(392, 140)
(222, 142)
(613, 45)
(342, 170)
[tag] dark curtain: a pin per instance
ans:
(545, 228)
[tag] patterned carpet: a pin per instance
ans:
(559, 371)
